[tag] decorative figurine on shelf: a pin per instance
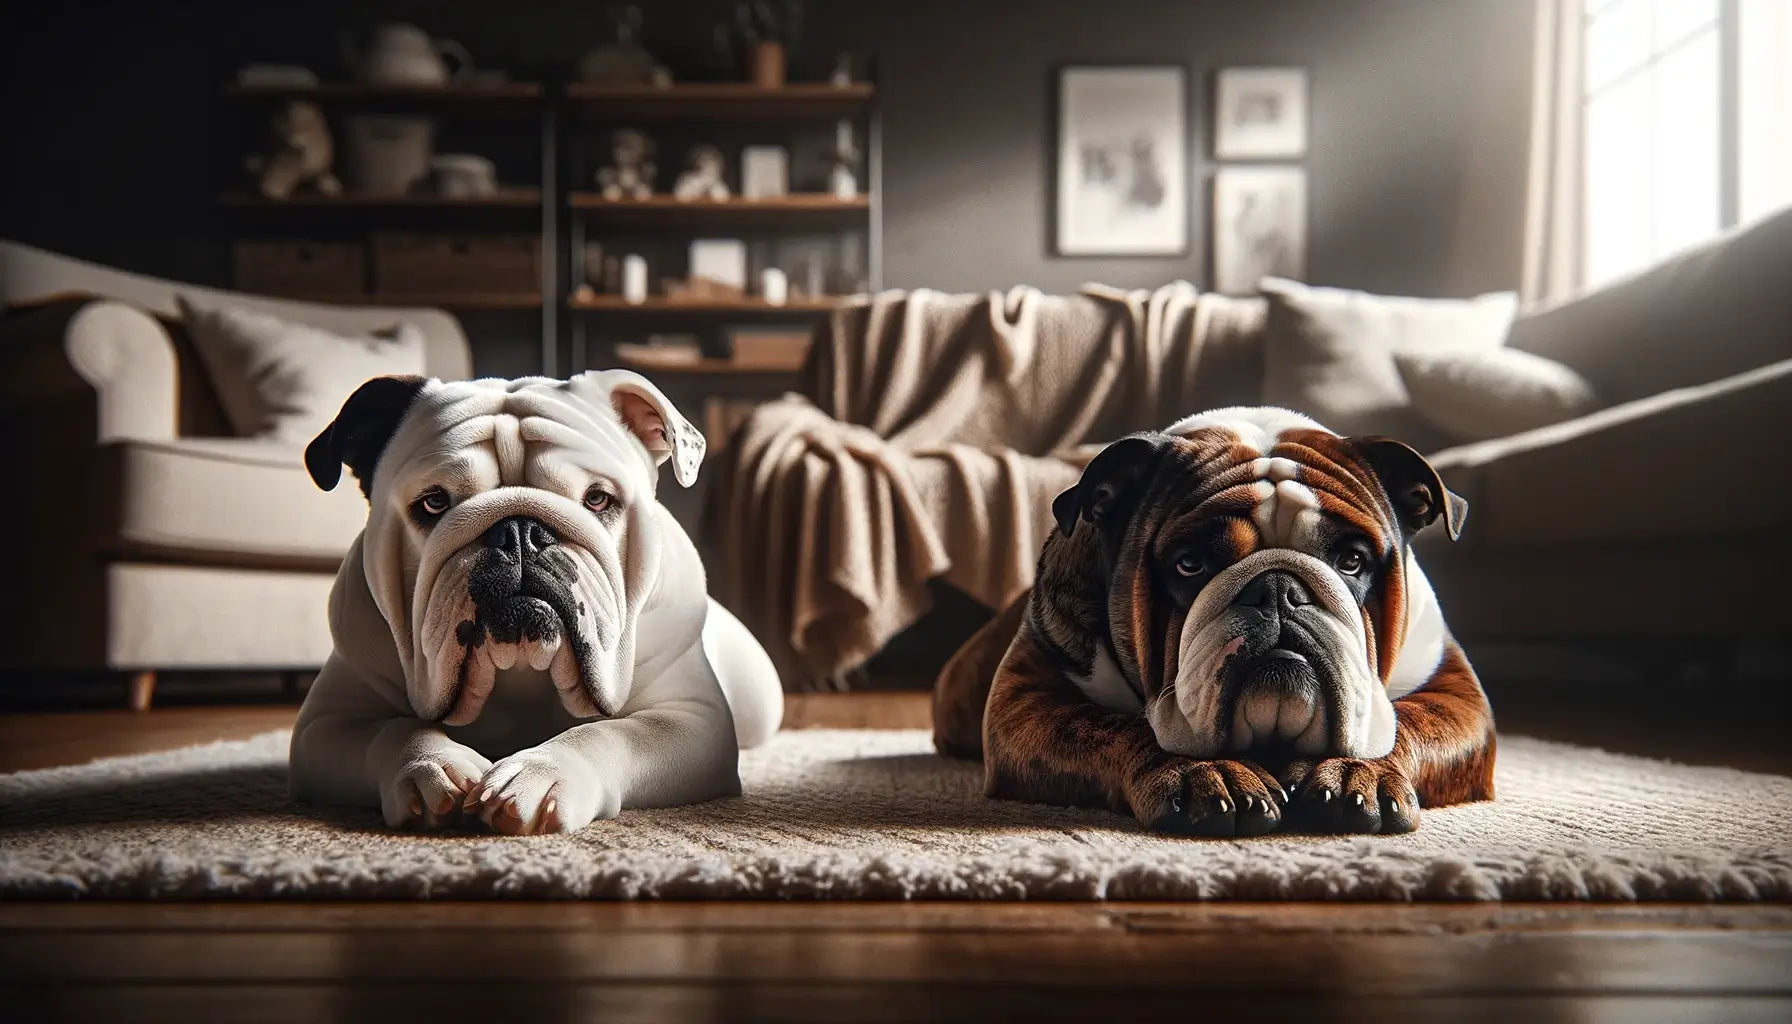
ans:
(632, 170)
(842, 76)
(299, 154)
(843, 179)
(702, 177)
(625, 61)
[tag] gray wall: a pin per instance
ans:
(1417, 143)
(117, 144)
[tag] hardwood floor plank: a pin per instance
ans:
(849, 1002)
(1686, 962)
(755, 915)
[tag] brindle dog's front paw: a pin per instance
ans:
(1207, 798)
(1345, 795)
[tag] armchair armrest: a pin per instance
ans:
(1688, 463)
(110, 354)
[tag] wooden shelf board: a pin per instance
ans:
(443, 300)
(660, 304)
(500, 92)
(667, 211)
(706, 365)
(796, 202)
(509, 198)
(721, 99)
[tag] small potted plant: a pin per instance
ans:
(767, 31)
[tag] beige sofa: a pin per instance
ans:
(1663, 521)
(146, 536)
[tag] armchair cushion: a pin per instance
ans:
(224, 502)
(284, 380)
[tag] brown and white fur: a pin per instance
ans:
(1228, 633)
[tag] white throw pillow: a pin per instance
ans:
(286, 381)
(1329, 352)
(1478, 395)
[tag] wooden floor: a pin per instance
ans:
(867, 961)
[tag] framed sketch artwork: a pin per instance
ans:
(1122, 179)
(1259, 226)
(1260, 113)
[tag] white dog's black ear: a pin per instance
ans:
(1416, 491)
(652, 417)
(360, 431)
(1108, 483)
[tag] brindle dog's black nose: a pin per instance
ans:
(1276, 589)
(520, 536)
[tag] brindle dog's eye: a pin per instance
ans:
(430, 505)
(597, 499)
(1190, 566)
(1350, 562)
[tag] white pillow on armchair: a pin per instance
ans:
(285, 381)
(1329, 352)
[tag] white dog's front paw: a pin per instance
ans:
(532, 791)
(431, 781)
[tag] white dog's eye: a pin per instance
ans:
(1190, 566)
(431, 503)
(597, 499)
(1350, 562)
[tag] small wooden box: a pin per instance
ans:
(299, 269)
(406, 263)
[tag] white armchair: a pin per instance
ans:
(147, 537)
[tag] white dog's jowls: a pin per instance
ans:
(522, 632)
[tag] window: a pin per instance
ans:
(1653, 120)
(1684, 125)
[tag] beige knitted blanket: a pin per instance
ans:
(931, 436)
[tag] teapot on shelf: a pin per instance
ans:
(399, 54)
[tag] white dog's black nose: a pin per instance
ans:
(520, 537)
(1275, 589)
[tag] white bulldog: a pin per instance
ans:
(522, 631)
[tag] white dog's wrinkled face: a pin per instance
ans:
(512, 524)
(1268, 598)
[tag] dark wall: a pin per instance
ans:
(116, 141)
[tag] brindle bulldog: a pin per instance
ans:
(1228, 633)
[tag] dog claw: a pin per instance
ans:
(1326, 795)
(1357, 800)
(1222, 805)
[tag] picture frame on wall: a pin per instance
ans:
(1260, 113)
(1259, 226)
(1122, 161)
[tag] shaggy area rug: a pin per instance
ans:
(874, 814)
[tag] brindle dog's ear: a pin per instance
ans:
(1109, 482)
(360, 431)
(1416, 491)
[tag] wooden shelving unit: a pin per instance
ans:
(570, 116)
